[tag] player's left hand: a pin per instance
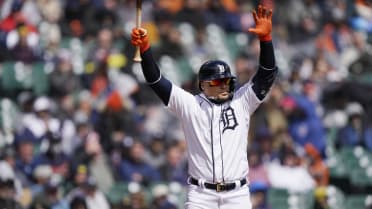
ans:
(263, 21)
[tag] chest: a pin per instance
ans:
(222, 120)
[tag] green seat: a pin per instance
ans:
(307, 200)
(18, 76)
(281, 198)
(343, 162)
(331, 139)
(355, 201)
(185, 69)
(66, 42)
(278, 198)
(337, 168)
(351, 162)
(336, 197)
(278, 203)
(275, 192)
(360, 178)
(40, 81)
(234, 43)
(363, 78)
(119, 44)
(117, 192)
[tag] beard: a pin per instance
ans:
(221, 98)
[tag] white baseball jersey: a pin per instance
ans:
(216, 134)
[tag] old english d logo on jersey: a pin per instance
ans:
(228, 119)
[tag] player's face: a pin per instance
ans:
(218, 89)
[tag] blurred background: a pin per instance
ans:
(79, 127)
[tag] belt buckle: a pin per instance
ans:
(220, 187)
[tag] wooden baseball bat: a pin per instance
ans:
(137, 55)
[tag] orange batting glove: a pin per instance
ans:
(140, 38)
(262, 18)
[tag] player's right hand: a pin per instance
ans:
(262, 17)
(140, 38)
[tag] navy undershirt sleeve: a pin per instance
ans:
(267, 70)
(161, 86)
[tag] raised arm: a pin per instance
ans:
(161, 86)
(267, 70)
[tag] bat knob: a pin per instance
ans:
(137, 59)
(137, 55)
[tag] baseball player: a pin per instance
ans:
(216, 121)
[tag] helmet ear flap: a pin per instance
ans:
(232, 84)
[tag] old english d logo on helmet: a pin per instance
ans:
(215, 69)
(221, 68)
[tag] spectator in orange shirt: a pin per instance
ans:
(316, 166)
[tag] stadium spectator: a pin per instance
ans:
(161, 200)
(257, 170)
(316, 166)
(7, 194)
(356, 132)
(136, 169)
(175, 166)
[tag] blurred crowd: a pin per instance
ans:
(78, 120)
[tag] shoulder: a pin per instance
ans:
(181, 94)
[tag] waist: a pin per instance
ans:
(219, 187)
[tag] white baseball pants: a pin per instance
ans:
(203, 198)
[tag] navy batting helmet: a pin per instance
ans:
(216, 69)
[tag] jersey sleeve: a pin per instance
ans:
(154, 78)
(255, 91)
(248, 97)
(181, 102)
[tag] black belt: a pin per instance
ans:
(219, 187)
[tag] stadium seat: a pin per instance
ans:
(185, 69)
(40, 81)
(16, 76)
(235, 43)
(349, 159)
(337, 169)
(79, 51)
(357, 201)
(359, 177)
(278, 198)
(19, 76)
(336, 197)
(331, 137)
(66, 42)
(282, 198)
(117, 192)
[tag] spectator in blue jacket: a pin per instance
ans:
(356, 132)
(135, 169)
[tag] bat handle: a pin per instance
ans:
(137, 54)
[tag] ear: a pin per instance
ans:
(202, 86)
